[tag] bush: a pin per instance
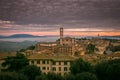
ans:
(79, 66)
(12, 76)
(49, 76)
(86, 76)
(31, 71)
(108, 70)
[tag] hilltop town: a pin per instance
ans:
(57, 56)
(74, 47)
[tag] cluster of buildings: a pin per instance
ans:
(64, 45)
(57, 56)
(69, 46)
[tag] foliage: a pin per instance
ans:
(115, 48)
(22, 50)
(86, 76)
(41, 77)
(50, 76)
(30, 48)
(91, 49)
(69, 77)
(79, 66)
(12, 76)
(15, 63)
(108, 70)
(31, 71)
(76, 53)
(6, 46)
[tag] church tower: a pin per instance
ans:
(61, 35)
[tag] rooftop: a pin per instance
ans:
(54, 57)
(4, 55)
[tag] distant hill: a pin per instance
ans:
(26, 36)
(7, 46)
(104, 37)
(111, 37)
(21, 36)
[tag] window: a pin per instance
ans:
(65, 63)
(65, 68)
(32, 62)
(38, 61)
(54, 69)
(54, 63)
(59, 68)
(59, 63)
(43, 62)
(47, 68)
(47, 62)
(43, 68)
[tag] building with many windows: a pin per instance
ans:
(59, 64)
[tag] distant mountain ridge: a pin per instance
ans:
(104, 37)
(32, 36)
(23, 36)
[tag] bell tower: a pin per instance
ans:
(61, 33)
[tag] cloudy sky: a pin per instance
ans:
(45, 17)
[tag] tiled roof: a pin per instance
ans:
(4, 55)
(47, 43)
(52, 57)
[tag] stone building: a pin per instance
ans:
(59, 64)
(69, 46)
(49, 46)
(57, 56)
(64, 45)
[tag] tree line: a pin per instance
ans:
(18, 68)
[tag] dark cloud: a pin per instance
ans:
(101, 14)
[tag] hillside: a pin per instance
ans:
(21, 36)
(6, 46)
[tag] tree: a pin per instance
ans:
(22, 50)
(86, 76)
(12, 76)
(108, 70)
(30, 48)
(115, 48)
(53, 76)
(50, 76)
(79, 66)
(91, 49)
(15, 63)
(31, 71)
(41, 77)
(69, 77)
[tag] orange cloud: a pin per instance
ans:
(84, 33)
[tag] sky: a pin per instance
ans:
(45, 17)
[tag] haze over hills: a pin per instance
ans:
(7, 46)
(33, 36)
(24, 36)
(10, 44)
